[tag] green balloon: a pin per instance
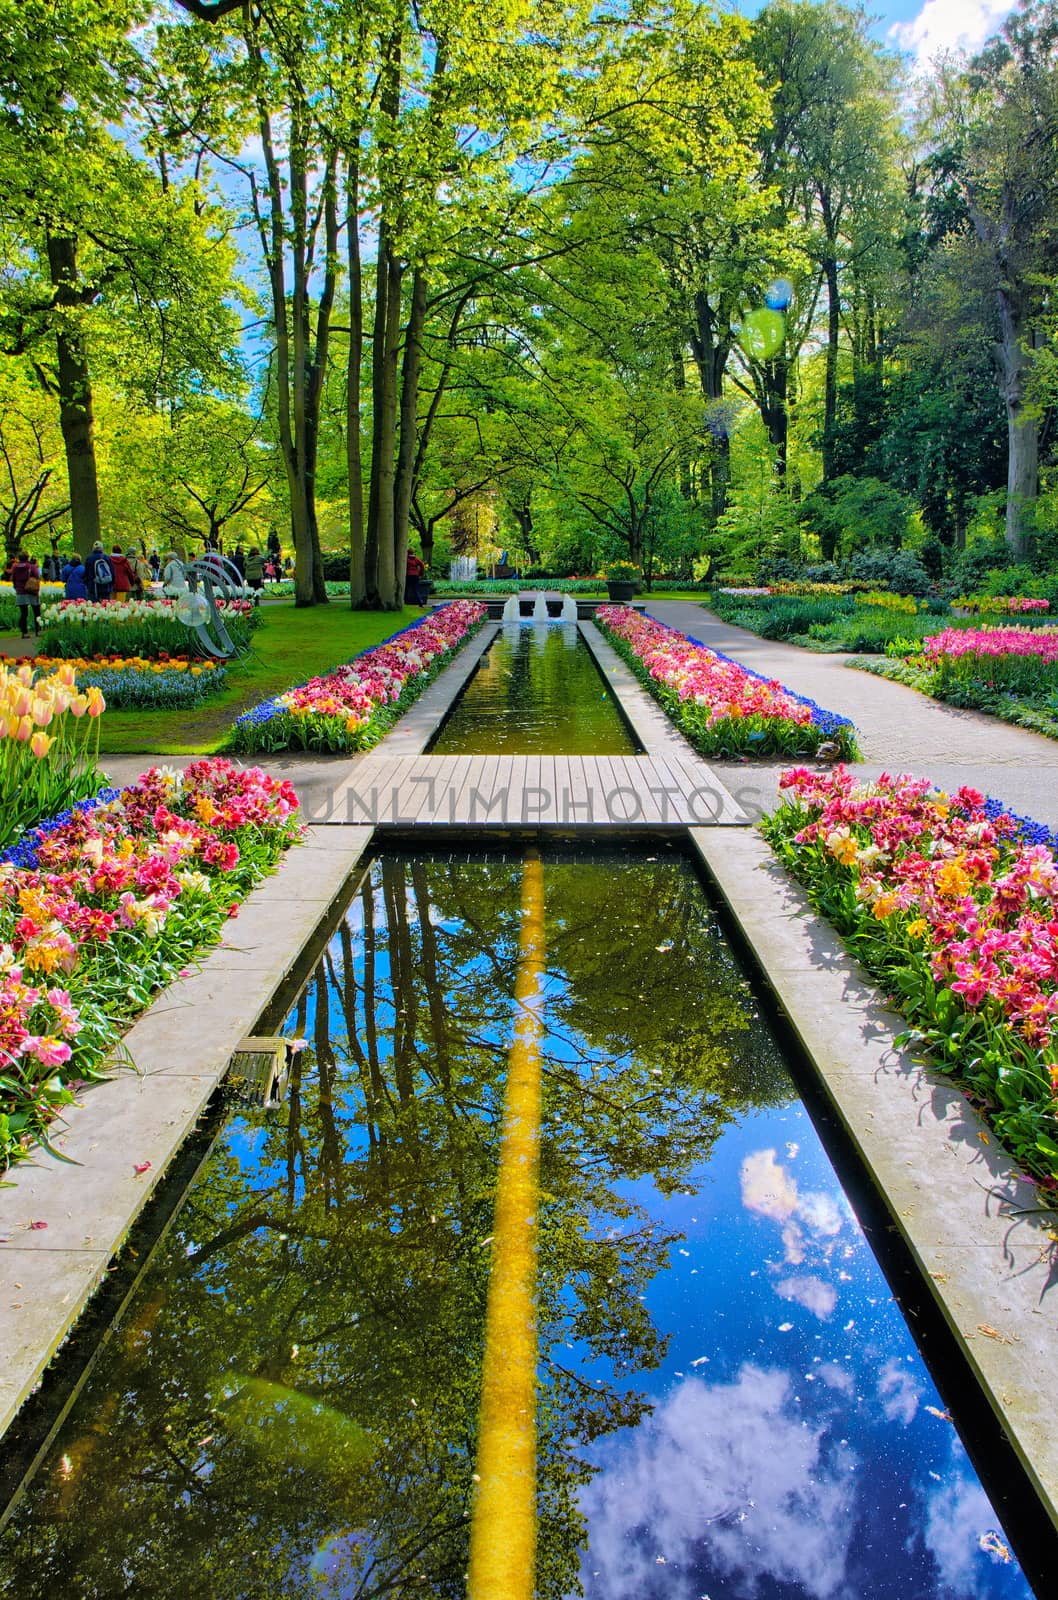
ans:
(762, 334)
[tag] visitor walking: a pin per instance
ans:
(156, 566)
(73, 576)
(122, 573)
(173, 580)
(99, 574)
(238, 561)
(25, 577)
(142, 576)
(254, 570)
(414, 580)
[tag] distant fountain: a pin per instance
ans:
(569, 608)
(512, 610)
(540, 608)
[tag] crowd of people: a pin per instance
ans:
(120, 574)
(127, 573)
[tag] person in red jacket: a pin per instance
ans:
(25, 576)
(123, 581)
(414, 573)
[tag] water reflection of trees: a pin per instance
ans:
(298, 1382)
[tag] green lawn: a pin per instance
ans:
(288, 647)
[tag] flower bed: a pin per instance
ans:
(49, 739)
(103, 906)
(148, 628)
(953, 903)
(723, 708)
(1001, 605)
(353, 706)
(1009, 672)
(166, 682)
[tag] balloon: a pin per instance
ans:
(762, 334)
(779, 294)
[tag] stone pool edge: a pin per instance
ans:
(953, 1195)
(181, 1047)
(49, 1275)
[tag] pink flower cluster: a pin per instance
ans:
(955, 642)
(114, 869)
(355, 691)
(947, 877)
(694, 672)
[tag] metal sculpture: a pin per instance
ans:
(200, 608)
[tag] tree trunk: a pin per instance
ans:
(775, 411)
(303, 511)
(711, 357)
(382, 576)
(354, 422)
(409, 410)
(75, 398)
(1013, 359)
(830, 392)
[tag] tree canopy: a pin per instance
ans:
(561, 279)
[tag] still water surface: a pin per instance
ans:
(729, 1402)
(537, 692)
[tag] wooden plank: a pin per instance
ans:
(584, 788)
(671, 782)
(459, 783)
(479, 796)
(550, 812)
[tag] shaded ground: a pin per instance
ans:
(900, 730)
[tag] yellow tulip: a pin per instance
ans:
(24, 730)
(40, 744)
(41, 711)
(21, 702)
(96, 703)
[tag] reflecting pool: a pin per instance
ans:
(728, 1401)
(537, 692)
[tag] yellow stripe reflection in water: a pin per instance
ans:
(503, 1526)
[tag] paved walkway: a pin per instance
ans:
(900, 730)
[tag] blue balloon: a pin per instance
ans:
(779, 294)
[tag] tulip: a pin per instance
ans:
(25, 729)
(78, 705)
(96, 703)
(40, 744)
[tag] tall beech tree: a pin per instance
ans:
(994, 126)
(104, 262)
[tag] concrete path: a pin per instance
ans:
(900, 729)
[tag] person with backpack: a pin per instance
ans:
(99, 574)
(25, 576)
(142, 576)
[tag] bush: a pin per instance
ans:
(898, 570)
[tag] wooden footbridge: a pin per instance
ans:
(400, 787)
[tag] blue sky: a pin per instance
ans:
(924, 27)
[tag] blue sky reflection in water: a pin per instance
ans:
(730, 1404)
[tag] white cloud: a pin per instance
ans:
(728, 1472)
(949, 25)
(898, 1392)
(767, 1188)
(957, 1515)
(816, 1296)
